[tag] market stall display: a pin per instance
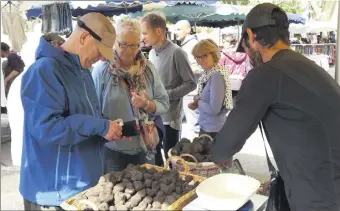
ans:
(13, 25)
(143, 187)
(197, 150)
(192, 157)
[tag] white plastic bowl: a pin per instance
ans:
(226, 191)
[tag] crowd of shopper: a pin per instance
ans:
(78, 125)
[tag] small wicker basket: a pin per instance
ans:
(204, 169)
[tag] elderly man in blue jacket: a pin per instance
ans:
(63, 126)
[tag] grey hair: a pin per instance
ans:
(126, 23)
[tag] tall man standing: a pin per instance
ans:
(188, 41)
(174, 69)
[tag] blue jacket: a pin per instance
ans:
(61, 145)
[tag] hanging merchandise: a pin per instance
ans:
(56, 18)
(13, 25)
(318, 49)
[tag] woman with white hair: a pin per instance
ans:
(130, 89)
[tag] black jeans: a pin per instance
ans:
(170, 140)
(211, 134)
(117, 161)
(29, 206)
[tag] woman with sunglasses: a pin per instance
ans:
(213, 97)
(130, 88)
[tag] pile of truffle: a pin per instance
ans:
(138, 188)
(199, 148)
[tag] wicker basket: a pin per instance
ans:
(177, 205)
(205, 169)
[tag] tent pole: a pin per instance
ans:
(125, 7)
(337, 62)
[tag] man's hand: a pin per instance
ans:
(138, 101)
(263, 190)
(115, 130)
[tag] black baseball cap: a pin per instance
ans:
(259, 16)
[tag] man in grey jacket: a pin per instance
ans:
(188, 41)
(174, 69)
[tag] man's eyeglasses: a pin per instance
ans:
(126, 46)
(81, 24)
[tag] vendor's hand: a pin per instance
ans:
(193, 106)
(115, 130)
(263, 190)
(138, 101)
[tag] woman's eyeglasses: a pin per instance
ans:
(126, 46)
(202, 57)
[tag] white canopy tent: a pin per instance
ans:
(26, 5)
(312, 27)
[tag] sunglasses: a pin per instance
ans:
(81, 24)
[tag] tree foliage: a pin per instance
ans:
(292, 6)
(236, 2)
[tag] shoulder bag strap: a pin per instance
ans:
(270, 164)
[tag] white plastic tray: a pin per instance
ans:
(226, 191)
(259, 202)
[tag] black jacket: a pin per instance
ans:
(299, 105)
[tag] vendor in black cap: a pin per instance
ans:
(298, 104)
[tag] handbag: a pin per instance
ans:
(277, 200)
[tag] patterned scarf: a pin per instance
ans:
(135, 80)
(135, 77)
(228, 100)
